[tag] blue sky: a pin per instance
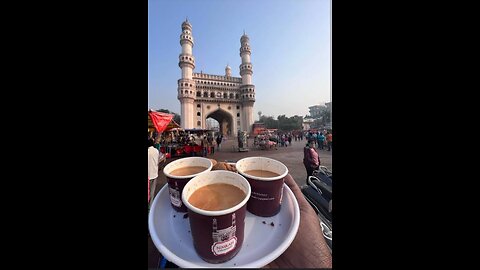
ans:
(290, 42)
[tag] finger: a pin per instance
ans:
(292, 185)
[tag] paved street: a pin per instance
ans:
(291, 156)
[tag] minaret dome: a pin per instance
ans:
(186, 25)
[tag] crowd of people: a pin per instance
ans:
(208, 143)
(268, 140)
(321, 139)
(172, 137)
(175, 143)
(316, 141)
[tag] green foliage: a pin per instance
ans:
(176, 117)
(282, 122)
(325, 117)
(269, 121)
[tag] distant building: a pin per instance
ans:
(307, 122)
(329, 106)
(316, 111)
(329, 109)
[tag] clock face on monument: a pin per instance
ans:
(219, 94)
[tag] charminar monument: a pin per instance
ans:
(225, 98)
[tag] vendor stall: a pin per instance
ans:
(170, 138)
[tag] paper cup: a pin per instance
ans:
(267, 192)
(176, 183)
(217, 235)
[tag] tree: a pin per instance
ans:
(325, 117)
(269, 121)
(176, 117)
(290, 123)
(283, 122)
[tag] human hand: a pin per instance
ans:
(309, 248)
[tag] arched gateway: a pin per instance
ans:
(224, 119)
(227, 99)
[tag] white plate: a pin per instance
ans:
(262, 244)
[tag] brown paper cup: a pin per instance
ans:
(267, 192)
(217, 235)
(176, 183)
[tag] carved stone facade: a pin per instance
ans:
(227, 99)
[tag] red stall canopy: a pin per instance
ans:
(161, 121)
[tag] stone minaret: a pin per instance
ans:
(247, 89)
(228, 71)
(186, 85)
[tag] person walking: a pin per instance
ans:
(219, 142)
(321, 139)
(154, 159)
(311, 160)
(204, 144)
(211, 147)
(314, 138)
(329, 140)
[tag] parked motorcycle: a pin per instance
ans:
(318, 192)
